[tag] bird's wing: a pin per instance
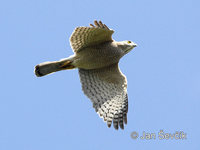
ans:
(89, 36)
(107, 89)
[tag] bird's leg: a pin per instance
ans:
(67, 65)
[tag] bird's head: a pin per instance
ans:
(126, 46)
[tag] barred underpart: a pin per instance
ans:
(107, 89)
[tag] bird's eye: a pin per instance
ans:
(129, 42)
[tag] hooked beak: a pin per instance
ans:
(134, 45)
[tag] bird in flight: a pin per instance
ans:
(96, 55)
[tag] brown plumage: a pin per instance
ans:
(96, 55)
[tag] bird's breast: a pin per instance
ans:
(97, 57)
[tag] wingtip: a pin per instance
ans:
(109, 125)
(125, 118)
(116, 126)
(121, 125)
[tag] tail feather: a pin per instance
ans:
(50, 67)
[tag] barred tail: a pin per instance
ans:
(50, 67)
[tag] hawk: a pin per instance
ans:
(96, 55)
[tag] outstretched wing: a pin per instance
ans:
(89, 36)
(107, 89)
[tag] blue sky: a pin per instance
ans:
(52, 112)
